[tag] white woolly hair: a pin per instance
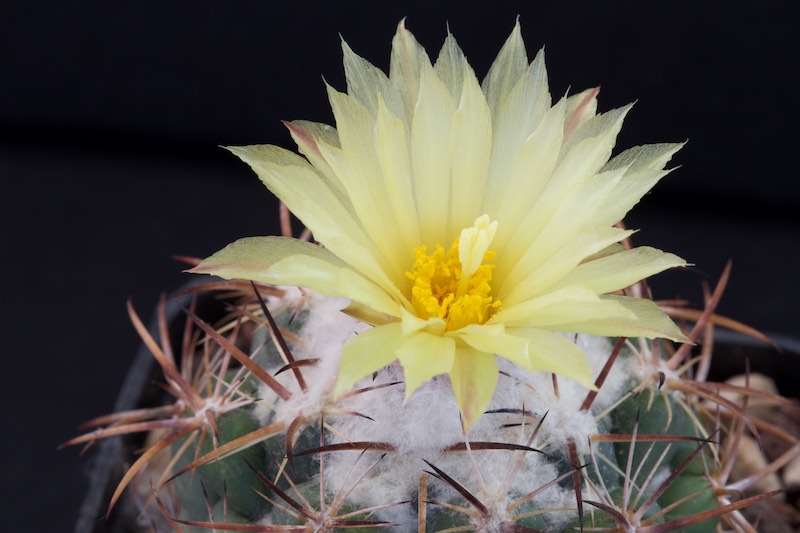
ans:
(324, 333)
(421, 428)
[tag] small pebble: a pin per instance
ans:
(791, 473)
(749, 460)
(758, 407)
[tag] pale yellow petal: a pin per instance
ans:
(276, 167)
(321, 205)
(424, 356)
(346, 283)
(620, 270)
(329, 215)
(513, 122)
(471, 148)
(357, 166)
(529, 175)
(627, 194)
(608, 250)
(451, 66)
(493, 339)
(411, 323)
(571, 200)
(645, 158)
(580, 108)
(644, 166)
(585, 153)
(506, 70)
(365, 83)
(541, 274)
(554, 353)
(408, 57)
(307, 135)
(648, 321)
(579, 164)
(564, 306)
(366, 314)
(391, 145)
(366, 353)
(474, 379)
(285, 261)
(318, 131)
(577, 212)
(603, 128)
(431, 160)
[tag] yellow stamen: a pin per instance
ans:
(440, 290)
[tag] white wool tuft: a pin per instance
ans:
(289, 296)
(644, 369)
(264, 409)
(421, 428)
(324, 333)
(325, 330)
(618, 381)
(418, 430)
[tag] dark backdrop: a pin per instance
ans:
(111, 113)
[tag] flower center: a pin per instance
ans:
(455, 284)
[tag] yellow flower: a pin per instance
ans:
(463, 220)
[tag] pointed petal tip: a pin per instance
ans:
(401, 27)
(303, 139)
(346, 50)
(198, 269)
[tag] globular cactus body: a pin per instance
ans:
(375, 450)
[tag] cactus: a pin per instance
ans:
(287, 415)
(255, 438)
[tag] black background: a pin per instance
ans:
(111, 114)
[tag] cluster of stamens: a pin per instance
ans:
(455, 284)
